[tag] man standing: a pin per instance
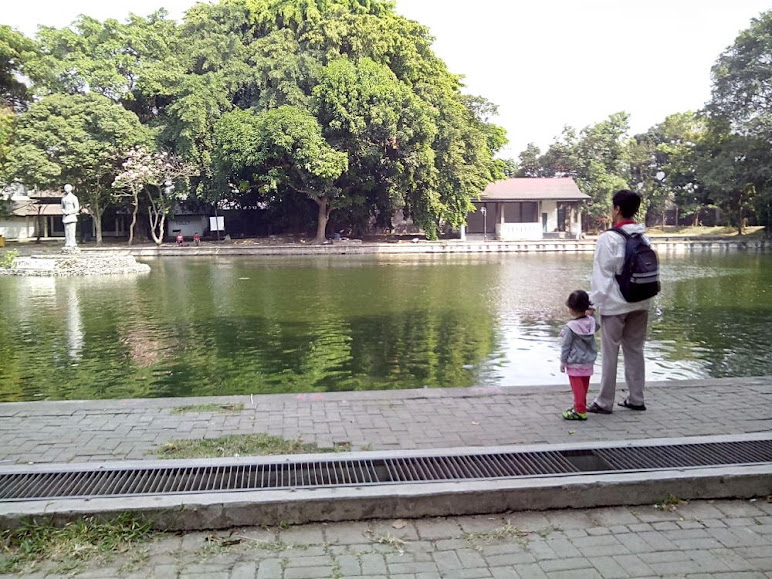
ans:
(70, 210)
(622, 323)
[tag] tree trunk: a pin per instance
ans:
(40, 226)
(156, 216)
(98, 226)
(161, 228)
(96, 214)
(324, 215)
(153, 218)
(134, 216)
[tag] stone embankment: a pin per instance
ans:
(356, 247)
(76, 264)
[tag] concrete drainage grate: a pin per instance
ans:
(175, 479)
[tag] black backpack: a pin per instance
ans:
(639, 279)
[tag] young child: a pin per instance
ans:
(579, 351)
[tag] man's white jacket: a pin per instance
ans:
(609, 257)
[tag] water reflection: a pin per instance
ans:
(73, 323)
(228, 326)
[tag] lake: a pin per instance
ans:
(252, 325)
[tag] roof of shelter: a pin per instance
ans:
(534, 189)
(33, 208)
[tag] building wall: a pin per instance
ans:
(19, 228)
(187, 225)
(551, 209)
(518, 231)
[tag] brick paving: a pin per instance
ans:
(700, 539)
(726, 538)
(82, 431)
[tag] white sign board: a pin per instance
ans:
(217, 223)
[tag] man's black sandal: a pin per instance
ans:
(595, 409)
(626, 404)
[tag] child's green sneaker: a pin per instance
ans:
(572, 414)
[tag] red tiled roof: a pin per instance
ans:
(533, 189)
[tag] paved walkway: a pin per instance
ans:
(701, 539)
(402, 419)
(698, 539)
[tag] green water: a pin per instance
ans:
(203, 326)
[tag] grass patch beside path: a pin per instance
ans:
(703, 231)
(67, 548)
(241, 445)
(207, 408)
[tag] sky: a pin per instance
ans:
(547, 64)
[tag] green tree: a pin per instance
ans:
(385, 130)
(663, 165)
(7, 132)
(75, 139)
(17, 56)
(510, 168)
(281, 150)
(598, 158)
(603, 164)
(123, 61)
(529, 162)
(17, 53)
(742, 91)
(163, 177)
(464, 148)
(734, 168)
(741, 107)
(425, 147)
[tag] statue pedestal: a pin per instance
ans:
(76, 263)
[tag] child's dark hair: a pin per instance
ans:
(578, 301)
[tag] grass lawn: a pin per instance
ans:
(701, 231)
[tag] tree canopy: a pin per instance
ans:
(342, 106)
(342, 100)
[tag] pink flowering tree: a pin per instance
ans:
(156, 174)
(137, 172)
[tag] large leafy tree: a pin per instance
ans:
(529, 164)
(742, 81)
(384, 128)
(664, 165)
(17, 61)
(162, 176)
(75, 139)
(735, 170)
(598, 158)
(365, 75)
(740, 110)
(370, 79)
(17, 57)
(123, 61)
(281, 150)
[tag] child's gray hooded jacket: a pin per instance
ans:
(579, 345)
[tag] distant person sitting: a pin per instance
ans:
(196, 238)
(179, 239)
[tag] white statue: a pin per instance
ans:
(70, 210)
